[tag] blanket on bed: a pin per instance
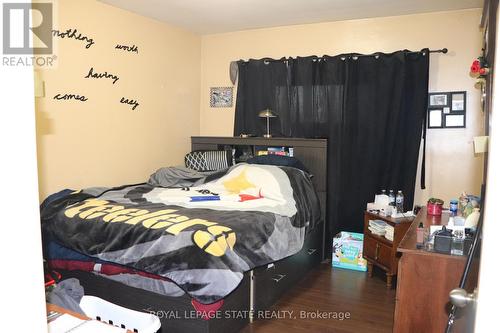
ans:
(252, 215)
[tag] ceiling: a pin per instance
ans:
(216, 16)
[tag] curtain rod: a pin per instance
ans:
(377, 54)
(357, 55)
(443, 50)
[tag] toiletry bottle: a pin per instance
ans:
(420, 235)
(392, 198)
(400, 201)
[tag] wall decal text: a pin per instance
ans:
(132, 48)
(73, 33)
(130, 102)
(66, 97)
(97, 75)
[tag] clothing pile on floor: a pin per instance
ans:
(381, 228)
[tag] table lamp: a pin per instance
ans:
(267, 114)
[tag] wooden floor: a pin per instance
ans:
(331, 292)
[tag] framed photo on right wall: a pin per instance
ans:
(447, 109)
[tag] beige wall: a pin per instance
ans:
(103, 142)
(451, 164)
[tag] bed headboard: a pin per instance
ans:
(311, 152)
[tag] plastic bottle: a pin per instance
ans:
(400, 201)
(392, 198)
(420, 235)
(453, 207)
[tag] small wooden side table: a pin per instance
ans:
(380, 251)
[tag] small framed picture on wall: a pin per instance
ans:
(221, 97)
(454, 120)
(435, 118)
(458, 101)
(446, 109)
(438, 99)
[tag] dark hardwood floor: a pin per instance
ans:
(332, 292)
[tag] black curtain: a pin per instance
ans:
(261, 84)
(371, 108)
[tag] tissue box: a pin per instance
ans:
(348, 251)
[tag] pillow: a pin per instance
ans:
(278, 160)
(208, 160)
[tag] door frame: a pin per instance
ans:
(487, 312)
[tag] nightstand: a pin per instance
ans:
(380, 251)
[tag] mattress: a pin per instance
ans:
(203, 238)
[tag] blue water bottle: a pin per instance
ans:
(453, 207)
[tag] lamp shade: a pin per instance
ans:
(267, 114)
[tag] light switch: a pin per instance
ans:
(480, 144)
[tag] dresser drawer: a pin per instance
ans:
(273, 280)
(377, 251)
(311, 253)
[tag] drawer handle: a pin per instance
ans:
(278, 277)
(311, 251)
(377, 248)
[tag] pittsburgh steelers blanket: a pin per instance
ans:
(203, 237)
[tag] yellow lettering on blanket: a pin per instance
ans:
(71, 212)
(141, 218)
(162, 219)
(176, 229)
(215, 240)
(124, 214)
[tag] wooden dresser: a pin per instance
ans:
(380, 251)
(424, 282)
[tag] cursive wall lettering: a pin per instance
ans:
(66, 97)
(129, 102)
(132, 48)
(73, 33)
(106, 75)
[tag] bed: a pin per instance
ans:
(229, 249)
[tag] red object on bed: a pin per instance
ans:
(207, 311)
(90, 266)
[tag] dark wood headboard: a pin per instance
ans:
(311, 152)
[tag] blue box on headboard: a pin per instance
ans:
(348, 251)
